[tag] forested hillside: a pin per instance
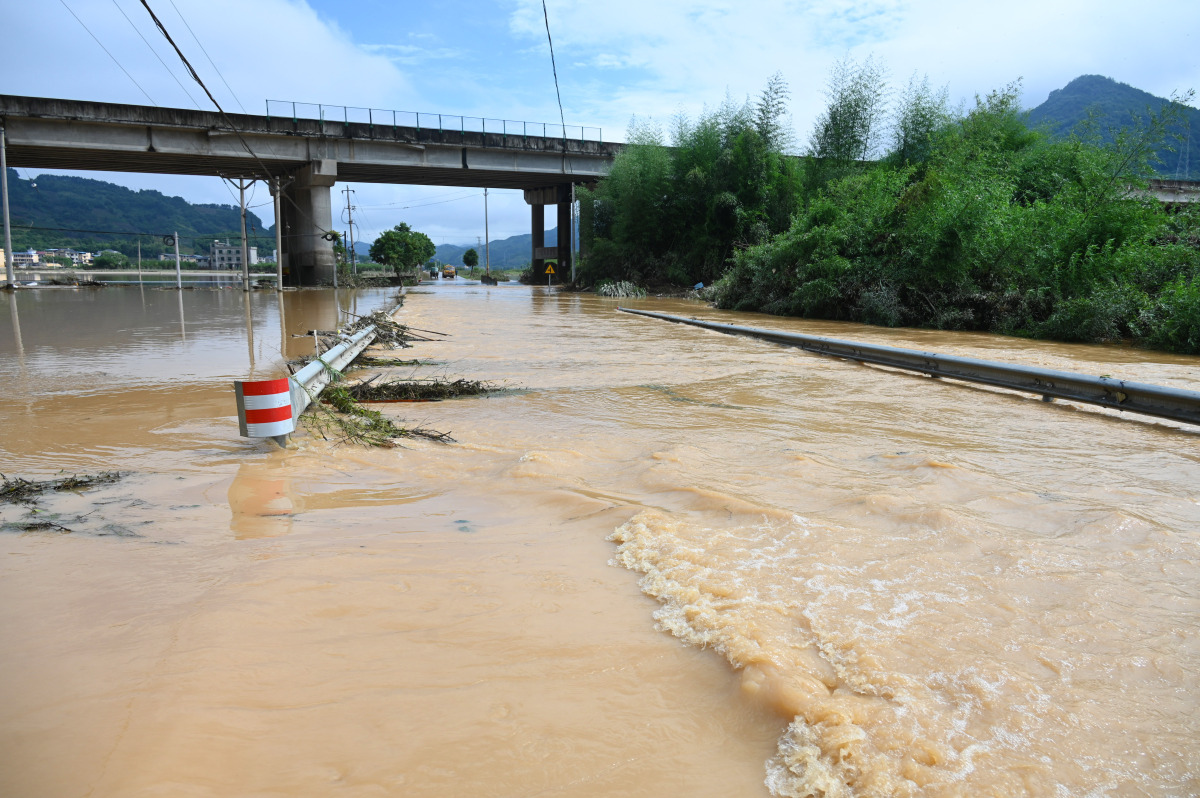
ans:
(507, 253)
(65, 211)
(1115, 106)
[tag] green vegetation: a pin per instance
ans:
(621, 288)
(964, 220)
(110, 261)
(676, 215)
(61, 210)
(402, 248)
(470, 259)
(1112, 106)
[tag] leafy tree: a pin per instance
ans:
(769, 114)
(851, 127)
(402, 248)
(676, 214)
(61, 260)
(470, 258)
(340, 250)
(919, 116)
(110, 260)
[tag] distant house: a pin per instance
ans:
(26, 260)
(77, 258)
(170, 256)
(223, 255)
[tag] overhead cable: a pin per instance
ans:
(209, 57)
(163, 30)
(110, 55)
(195, 76)
(561, 118)
(156, 55)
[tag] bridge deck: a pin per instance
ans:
(70, 134)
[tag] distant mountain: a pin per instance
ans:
(65, 211)
(507, 253)
(1115, 104)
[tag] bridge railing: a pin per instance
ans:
(422, 120)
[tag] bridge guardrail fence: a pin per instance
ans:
(1177, 404)
(422, 120)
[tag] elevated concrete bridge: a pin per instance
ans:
(1175, 192)
(310, 155)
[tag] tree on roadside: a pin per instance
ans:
(339, 248)
(470, 258)
(919, 115)
(849, 131)
(402, 248)
(109, 260)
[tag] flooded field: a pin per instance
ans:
(668, 562)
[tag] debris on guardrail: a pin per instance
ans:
(368, 361)
(371, 390)
(353, 423)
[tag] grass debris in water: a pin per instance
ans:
(353, 423)
(417, 390)
(27, 491)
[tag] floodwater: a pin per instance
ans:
(667, 562)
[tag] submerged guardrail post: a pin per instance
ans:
(265, 409)
(269, 408)
(1176, 404)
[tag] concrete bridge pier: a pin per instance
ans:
(538, 199)
(307, 213)
(538, 214)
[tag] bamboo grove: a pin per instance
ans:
(906, 212)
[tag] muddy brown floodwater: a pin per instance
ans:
(672, 563)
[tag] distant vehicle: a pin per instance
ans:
(449, 272)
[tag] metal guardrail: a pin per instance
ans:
(452, 123)
(1177, 404)
(307, 383)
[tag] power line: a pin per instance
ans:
(206, 55)
(156, 55)
(162, 29)
(110, 55)
(116, 232)
(195, 76)
(554, 68)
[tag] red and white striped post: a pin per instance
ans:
(265, 409)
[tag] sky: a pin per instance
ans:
(615, 60)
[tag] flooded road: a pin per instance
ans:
(669, 562)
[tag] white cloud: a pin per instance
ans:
(686, 54)
(293, 54)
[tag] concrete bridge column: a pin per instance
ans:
(308, 215)
(566, 237)
(538, 199)
(538, 221)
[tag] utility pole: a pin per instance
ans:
(245, 242)
(8, 255)
(487, 245)
(278, 189)
(350, 222)
(574, 227)
(139, 260)
(178, 268)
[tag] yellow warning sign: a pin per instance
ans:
(549, 268)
